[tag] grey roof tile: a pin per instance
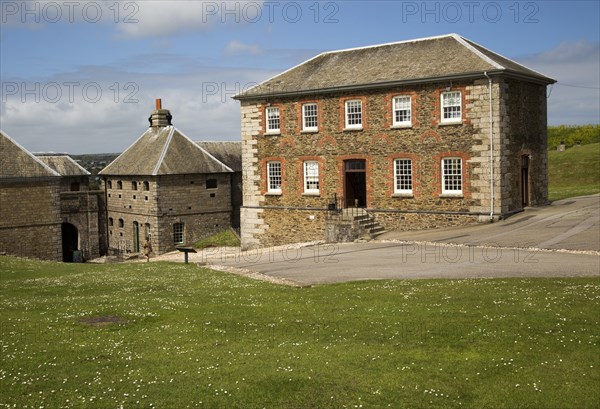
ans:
(63, 165)
(164, 151)
(395, 63)
(18, 162)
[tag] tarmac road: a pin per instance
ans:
(560, 240)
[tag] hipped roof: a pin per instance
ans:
(64, 165)
(164, 151)
(18, 162)
(422, 60)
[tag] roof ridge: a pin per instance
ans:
(125, 151)
(164, 150)
(464, 42)
(506, 58)
(31, 155)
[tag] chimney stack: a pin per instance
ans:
(160, 117)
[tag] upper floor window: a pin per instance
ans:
(121, 223)
(109, 184)
(178, 233)
(111, 221)
(354, 114)
(309, 117)
(403, 176)
(273, 120)
(451, 107)
(402, 113)
(451, 176)
(274, 177)
(119, 185)
(311, 176)
(211, 183)
(146, 185)
(134, 185)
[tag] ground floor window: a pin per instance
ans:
(178, 233)
(451, 176)
(311, 177)
(403, 176)
(274, 177)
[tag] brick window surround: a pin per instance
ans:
(391, 176)
(465, 167)
(264, 188)
(364, 113)
(301, 190)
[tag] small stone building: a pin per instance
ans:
(419, 134)
(168, 188)
(46, 209)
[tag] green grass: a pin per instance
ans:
(225, 238)
(198, 338)
(574, 172)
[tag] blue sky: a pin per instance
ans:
(82, 76)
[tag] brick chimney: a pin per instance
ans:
(160, 117)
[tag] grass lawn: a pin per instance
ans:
(574, 172)
(225, 238)
(182, 336)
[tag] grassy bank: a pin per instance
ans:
(574, 172)
(166, 335)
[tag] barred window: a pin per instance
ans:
(403, 176)
(273, 123)
(354, 114)
(119, 185)
(402, 110)
(452, 175)
(311, 177)
(178, 233)
(134, 185)
(121, 223)
(309, 117)
(109, 184)
(451, 107)
(146, 185)
(274, 177)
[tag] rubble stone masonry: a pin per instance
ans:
(519, 121)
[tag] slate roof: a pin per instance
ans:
(228, 152)
(18, 162)
(422, 60)
(164, 151)
(64, 165)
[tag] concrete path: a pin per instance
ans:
(560, 240)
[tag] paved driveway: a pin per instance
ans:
(554, 241)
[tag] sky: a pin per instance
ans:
(82, 76)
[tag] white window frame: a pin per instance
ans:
(347, 114)
(395, 109)
(311, 176)
(398, 176)
(270, 111)
(453, 175)
(450, 116)
(314, 117)
(272, 186)
(178, 232)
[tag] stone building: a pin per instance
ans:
(169, 188)
(46, 208)
(420, 134)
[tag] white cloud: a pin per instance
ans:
(236, 47)
(575, 99)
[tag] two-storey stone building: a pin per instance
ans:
(169, 188)
(423, 133)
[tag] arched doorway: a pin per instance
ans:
(70, 241)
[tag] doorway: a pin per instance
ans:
(136, 237)
(355, 183)
(525, 180)
(70, 241)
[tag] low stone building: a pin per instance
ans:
(420, 134)
(46, 209)
(168, 188)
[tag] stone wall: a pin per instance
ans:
(426, 141)
(187, 199)
(30, 222)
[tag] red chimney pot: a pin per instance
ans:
(158, 103)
